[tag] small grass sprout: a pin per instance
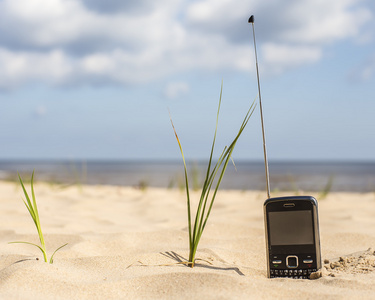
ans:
(207, 197)
(33, 210)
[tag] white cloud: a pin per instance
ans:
(53, 67)
(280, 57)
(82, 42)
(174, 90)
(289, 33)
(320, 21)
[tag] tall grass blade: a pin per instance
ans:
(186, 183)
(33, 211)
(207, 199)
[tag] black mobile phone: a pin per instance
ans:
(292, 227)
(292, 236)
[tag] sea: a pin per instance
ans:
(312, 176)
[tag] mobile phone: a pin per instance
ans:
(292, 236)
(291, 223)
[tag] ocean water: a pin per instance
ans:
(306, 176)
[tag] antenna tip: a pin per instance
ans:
(251, 19)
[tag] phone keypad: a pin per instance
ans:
(298, 266)
(291, 273)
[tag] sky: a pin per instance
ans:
(92, 79)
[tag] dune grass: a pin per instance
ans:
(327, 188)
(33, 210)
(207, 197)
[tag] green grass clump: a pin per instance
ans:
(33, 210)
(207, 198)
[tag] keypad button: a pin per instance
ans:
(291, 273)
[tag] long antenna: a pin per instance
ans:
(251, 20)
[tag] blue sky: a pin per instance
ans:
(91, 79)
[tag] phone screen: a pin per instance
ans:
(291, 228)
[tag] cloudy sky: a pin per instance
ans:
(92, 79)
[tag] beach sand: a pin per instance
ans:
(124, 243)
